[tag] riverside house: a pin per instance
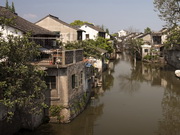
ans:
(67, 32)
(92, 32)
(66, 83)
(65, 75)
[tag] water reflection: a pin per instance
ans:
(82, 125)
(159, 76)
(151, 107)
(170, 123)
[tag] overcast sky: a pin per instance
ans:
(113, 14)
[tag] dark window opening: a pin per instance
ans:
(145, 50)
(157, 39)
(74, 81)
(87, 36)
(51, 82)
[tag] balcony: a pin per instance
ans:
(56, 57)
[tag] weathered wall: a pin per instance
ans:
(64, 95)
(19, 121)
(67, 33)
(147, 38)
(7, 128)
(173, 58)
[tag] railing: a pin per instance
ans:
(61, 58)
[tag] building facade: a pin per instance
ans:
(67, 32)
(92, 32)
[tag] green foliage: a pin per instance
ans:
(55, 111)
(135, 46)
(169, 11)
(78, 23)
(150, 57)
(78, 104)
(90, 46)
(21, 84)
(173, 39)
(6, 21)
(11, 8)
(114, 34)
(147, 30)
(107, 30)
(7, 4)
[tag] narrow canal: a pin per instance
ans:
(136, 99)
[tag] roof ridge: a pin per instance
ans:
(58, 20)
(23, 24)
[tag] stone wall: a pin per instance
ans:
(9, 128)
(173, 58)
(72, 100)
(21, 119)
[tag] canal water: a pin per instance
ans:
(135, 99)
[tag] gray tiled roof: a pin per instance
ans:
(94, 27)
(24, 25)
(60, 21)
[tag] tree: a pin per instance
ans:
(7, 4)
(107, 30)
(147, 30)
(169, 11)
(135, 47)
(131, 29)
(114, 34)
(21, 84)
(78, 23)
(13, 8)
(173, 39)
(90, 46)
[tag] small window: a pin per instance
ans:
(146, 50)
(51, 82)
(57, 32)
(74, 81)
(87, 36)
(81, 78)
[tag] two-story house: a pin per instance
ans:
(67, 32)
(66, 81)
(92, 32)
(65, 70)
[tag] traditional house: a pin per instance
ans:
(19, 26)
(67, 86)
(122, 33)
(65, 30)
(158, 40)
(146, 50)
(92, 32)
(65, 69)
(146, 37)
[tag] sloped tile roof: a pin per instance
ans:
(94, 27)
(60, 21)
(24, 25)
